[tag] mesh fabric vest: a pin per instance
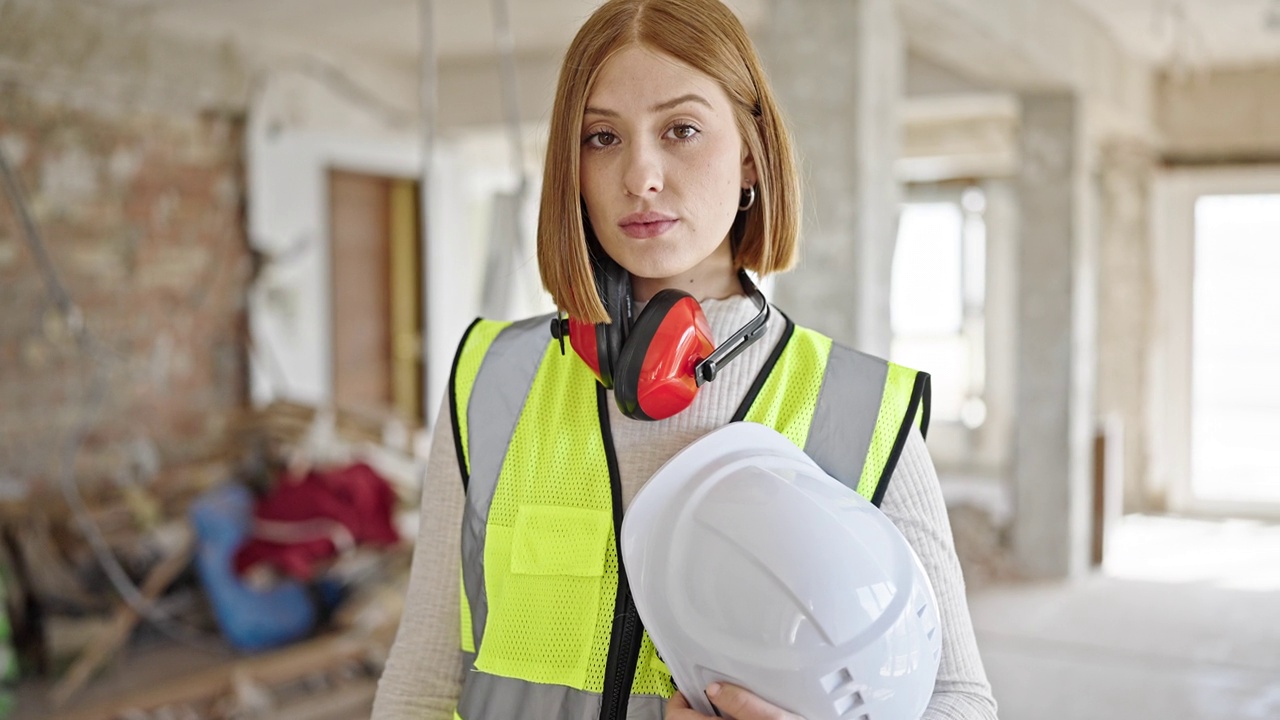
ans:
(541, 582)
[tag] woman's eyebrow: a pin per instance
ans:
(680, 101)
(691, 97)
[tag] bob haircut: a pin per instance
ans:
(707, 36)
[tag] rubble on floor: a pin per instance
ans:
(125, 570)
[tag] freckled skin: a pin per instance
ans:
(687, 160)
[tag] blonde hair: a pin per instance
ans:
(707, 36)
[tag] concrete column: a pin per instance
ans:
(837, 67)
(1125, 313)
(1057, 308)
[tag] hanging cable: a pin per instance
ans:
(506, 46)
(428, 79)
(506, 234)
(67, 309)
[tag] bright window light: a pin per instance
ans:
(936, 301)
(1235, 426)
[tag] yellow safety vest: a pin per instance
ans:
(541, 582)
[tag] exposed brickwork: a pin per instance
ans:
(143, 220)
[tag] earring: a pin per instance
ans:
(748, 198)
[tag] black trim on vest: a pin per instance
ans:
(754, 391)
(453, 405)
(919, 396)
(926, 405)
(625, 636)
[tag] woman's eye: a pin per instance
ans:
(602, 139)
(684, 132)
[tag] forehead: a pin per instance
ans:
(636, 77)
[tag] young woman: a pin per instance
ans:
(668, 174)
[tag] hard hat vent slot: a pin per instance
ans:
(920, 614)
(846, 697)
(837, 680)
(847, 705)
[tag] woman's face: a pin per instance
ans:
(662, 168)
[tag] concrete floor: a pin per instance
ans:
(1184, 623)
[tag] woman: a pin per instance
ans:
(668, 169)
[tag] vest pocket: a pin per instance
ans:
(544, 600)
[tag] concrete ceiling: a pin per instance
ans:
(1193, 33)
(382, 29)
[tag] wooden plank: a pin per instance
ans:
(275, 668)
(349, 701)
(117, 633)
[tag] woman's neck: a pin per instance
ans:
(715, 278)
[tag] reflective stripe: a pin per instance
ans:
(491, 697)
(465, 365)
(466, 630)
(846, 413)
(498, 393)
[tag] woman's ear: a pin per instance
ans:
(748, 167)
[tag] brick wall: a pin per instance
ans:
(142, 216)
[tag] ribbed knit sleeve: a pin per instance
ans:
(914, 503)
(423, 676)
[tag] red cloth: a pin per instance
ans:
(355, 497)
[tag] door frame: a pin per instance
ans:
(1169, 375)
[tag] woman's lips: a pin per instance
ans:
(646, 225)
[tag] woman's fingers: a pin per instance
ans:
(744, 705)
(678, 709)
(733, 701)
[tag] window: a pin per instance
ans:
(1235, 397)
(937, 298)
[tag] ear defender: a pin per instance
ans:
(656, 366)
(656, 372)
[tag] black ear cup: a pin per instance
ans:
(613, 283)
(626, 375)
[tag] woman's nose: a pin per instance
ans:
(643, 172)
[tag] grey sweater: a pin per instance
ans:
(423, 675)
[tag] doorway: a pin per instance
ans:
(377, 294)
(1235, 350)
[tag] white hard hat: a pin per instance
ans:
(750, 565)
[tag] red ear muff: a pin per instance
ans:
(582, 337)
(654, 377)
(597, 345)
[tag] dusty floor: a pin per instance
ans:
(1184, 623)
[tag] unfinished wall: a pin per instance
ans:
(137, 194)
(1222, 116)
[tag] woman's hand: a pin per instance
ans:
(733, 701)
